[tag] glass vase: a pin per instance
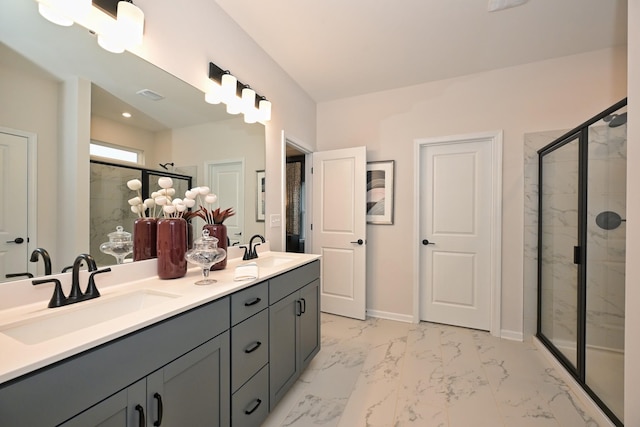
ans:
(171, 248)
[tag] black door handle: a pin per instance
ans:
(359, 241)
(426, 242)
(17, 240)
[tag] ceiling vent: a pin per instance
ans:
(495, 5)
(148, 93)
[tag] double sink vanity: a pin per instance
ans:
(151, 352)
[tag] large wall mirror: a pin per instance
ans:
(49, 77)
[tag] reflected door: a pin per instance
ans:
(13, 206)
(226, 180)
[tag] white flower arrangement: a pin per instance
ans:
(161, 202)
(204, 197)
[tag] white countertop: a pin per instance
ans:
(23, 302)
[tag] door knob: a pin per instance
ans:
(426, 242)
(17, 240)
(359, 241)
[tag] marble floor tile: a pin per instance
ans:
(390, 374)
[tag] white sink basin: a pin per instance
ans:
(272, 261)
(81, 315)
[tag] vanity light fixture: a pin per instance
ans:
(239, 97)
(125, 31)
(64, 12)
(116, 33)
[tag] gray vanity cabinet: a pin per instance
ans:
(250, 356)
(188, 391)
(184, 358)
(294, 327)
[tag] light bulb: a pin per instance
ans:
(229, 86)
(264, 110)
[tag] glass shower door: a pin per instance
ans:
(559, 234)
(605, 239)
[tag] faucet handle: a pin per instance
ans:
(57, 299)
(245, 257)
(92, 290)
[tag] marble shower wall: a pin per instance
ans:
(108, 206)
(605, 281)
(606, 248)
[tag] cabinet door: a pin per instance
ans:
(123, 409)
(283, 361)
(193, 390)
(309, 332)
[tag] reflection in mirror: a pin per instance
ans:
(43, 70)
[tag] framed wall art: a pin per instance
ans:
(380, 192)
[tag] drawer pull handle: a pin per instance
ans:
(255, 406)
(141, 421)
(253, 347)
(158, 397)
(252, 302)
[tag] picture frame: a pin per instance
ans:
(260, 195)
(380, 192)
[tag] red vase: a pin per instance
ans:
(218, 231)
(171, 248)
(145, 231)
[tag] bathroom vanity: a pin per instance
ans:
(216, 355)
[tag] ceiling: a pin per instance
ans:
(336, 48)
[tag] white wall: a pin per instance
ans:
(548, 95)
(184, 39)
(632, 297)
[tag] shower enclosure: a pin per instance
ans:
(581, 254)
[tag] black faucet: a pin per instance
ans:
(35, 255)
(59, 299)
(75, 274)
(252, 253)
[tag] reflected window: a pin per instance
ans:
(113, 152)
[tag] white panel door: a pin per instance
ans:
(455, 229)
(13, 205)
(339, 229)
(226, 180)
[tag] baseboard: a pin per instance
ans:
(511, 335)
(390, 316)
(602, 418)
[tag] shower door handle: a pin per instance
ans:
(577, 255)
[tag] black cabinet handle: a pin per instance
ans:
(253, 409)
(158, 397)
(253, 347)
(252, 302)
(298, 308)
(141, 421)
(304, 305)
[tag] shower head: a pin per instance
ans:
(164, 165)
(616, 120)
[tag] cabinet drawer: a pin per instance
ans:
(250, 404)
(248, 302)
(249, 348)
(284, 284)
